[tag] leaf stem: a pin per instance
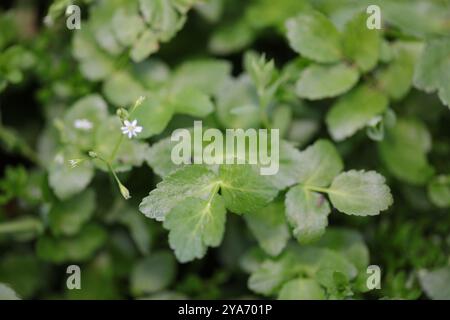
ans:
(23, 225)
(318, 189)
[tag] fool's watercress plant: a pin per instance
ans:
(362, 116)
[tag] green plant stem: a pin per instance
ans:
(22, 225)
(116, 149)
(318, 189)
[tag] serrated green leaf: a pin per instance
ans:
(189, 181)
(301, 289)
(243, 189)
(195, 224)
(326, 81)
(269, 227)
(319, 164)
(360, 193)
(307, 212)
(315, 37)
(361, 44)
(353, 111)
(433, 69)
(67, 217)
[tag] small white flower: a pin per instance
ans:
(83, 124)
(131, 128)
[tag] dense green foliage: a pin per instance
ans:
(364, 176)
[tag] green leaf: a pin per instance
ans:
(145, 45)
(161, 16)
(327, 81)
(127, 24)
(77, 248)
(231, 38)
(198, 74)
(269, 276)
(122, 89)
(439, 191)
(138, 227)
(361, 44)
(237, 104)
(409, 17)
(153, 115)
(435, 283)
(6, 293)
(315, 37)
(354, 111)
(189, 181)
(67, 217)
(158, 157)
(433, 69)
(301, 289)
(94, 63)
(360, 193)
(194, 225)
(319, 164)
(153, 273)
(289, 166)
(22, 271)
(269, 227)
(192, 102)
(307, 212)
(349, 243)
(65, 180)
(396, 79)
(91, 108)
(404, 151)
(243, 189)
